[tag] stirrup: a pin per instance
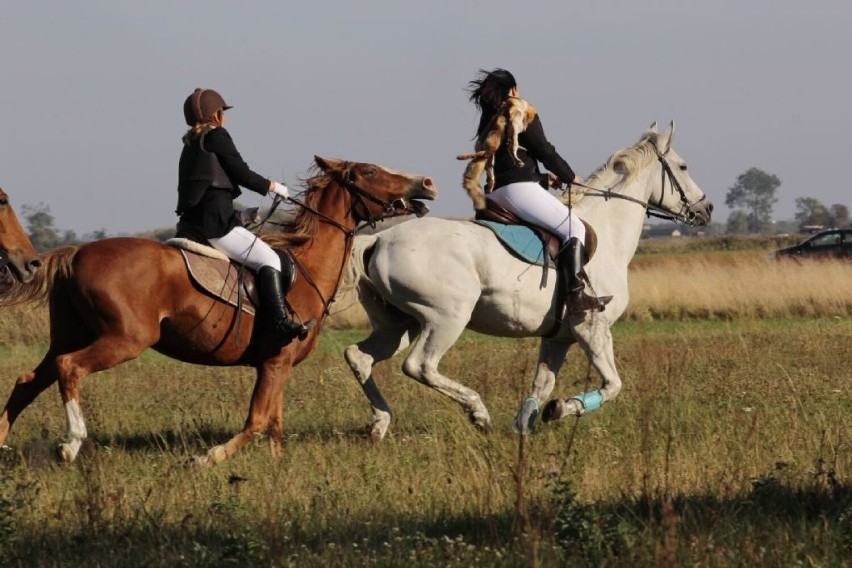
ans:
(288, 330)
(582, 302)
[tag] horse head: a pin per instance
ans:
(378, 192)
(18, 257)
(676, 193)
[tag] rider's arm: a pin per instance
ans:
(538, 147)
(220, 143)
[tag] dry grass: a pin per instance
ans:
(729, 445)
(708, 285)
(742, 286)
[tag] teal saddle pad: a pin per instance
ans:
(520, 240)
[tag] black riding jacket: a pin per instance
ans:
(534, 148)
(210, 174)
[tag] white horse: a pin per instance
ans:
(426, 280)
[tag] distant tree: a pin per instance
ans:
(754, 191)
(40, 227)
(99, 234)
(738, 222)
(70, 238)
(810, 211)
(839, 215)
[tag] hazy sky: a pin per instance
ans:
(91, 92)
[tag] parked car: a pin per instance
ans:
(833, 243)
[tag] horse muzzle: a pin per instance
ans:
(699, 213)
(22, 269)
(413, 205)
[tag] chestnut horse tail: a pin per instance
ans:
(56, 264)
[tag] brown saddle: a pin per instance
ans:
(221, 279)
(216, 274)
(499, 214)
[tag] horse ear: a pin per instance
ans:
(653, 127)
(327, 164)
(665, 141)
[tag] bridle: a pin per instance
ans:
(360, 197)
(687, 212)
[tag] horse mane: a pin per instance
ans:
(620, 167)
(303, 226)
(56, 264)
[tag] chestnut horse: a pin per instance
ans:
(18, 258)
(111, 299)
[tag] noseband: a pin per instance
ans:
(361, 196)
(686, 213)
(399, 206)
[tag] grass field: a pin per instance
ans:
(728, 446)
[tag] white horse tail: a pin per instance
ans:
(356, 272)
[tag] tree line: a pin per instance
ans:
(752, 198)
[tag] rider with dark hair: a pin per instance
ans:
(522, 189)
(209, 175)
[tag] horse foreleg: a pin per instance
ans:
(26, 389)
(382, 343)
(596, 341)
(266, 407)
(422, 365)
(551, 356)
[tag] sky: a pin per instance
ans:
(91, 92)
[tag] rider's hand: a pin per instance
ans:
(250, 216)
(280, 190)
(577, 180)
(554, 181)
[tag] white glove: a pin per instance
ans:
(280, 190)
(250, 216)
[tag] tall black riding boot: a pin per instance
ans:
(571, 260)
(271, 295)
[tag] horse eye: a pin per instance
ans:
(4, 202)
(369, 172)
(683, 167)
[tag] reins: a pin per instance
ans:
(388, 208)
(651, 209)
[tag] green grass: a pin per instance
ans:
(729, 445)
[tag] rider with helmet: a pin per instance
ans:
(522, 189)
(210, 174)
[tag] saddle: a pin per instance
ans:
(217, 275)
(495, 213)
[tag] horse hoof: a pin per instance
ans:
(483, 422)
(553, 410)
(378, 428)
(377, 434)
(66, 453)
(525, 419)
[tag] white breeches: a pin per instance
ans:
(529, 201)
(244, 247)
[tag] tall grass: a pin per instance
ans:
(729, 445)
(743, 286)
(705, 285)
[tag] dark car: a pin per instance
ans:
(833, 243)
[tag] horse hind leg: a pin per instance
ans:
(25, 391)
(104, 353)
(422, 365)
(382, 343)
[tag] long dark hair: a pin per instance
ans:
(488, 91)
